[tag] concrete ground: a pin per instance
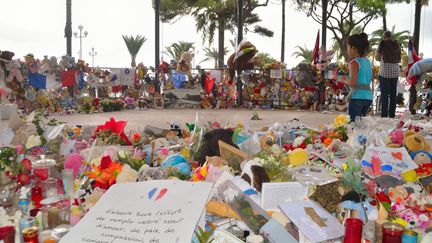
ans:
(160, 118)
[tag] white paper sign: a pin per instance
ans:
(276, 73)
(273, 194)
(153, 211)
(295, 211)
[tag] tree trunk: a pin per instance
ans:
(324, 4)
(68, 27)
(418, 7)
(344, 49)
(283, 33)
(384, 18)
(221, 40)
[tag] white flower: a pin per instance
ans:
(96, 161)
(122, 154)
(298, 141)
(33, 141)
(127, 175)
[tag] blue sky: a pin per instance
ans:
(37, 27)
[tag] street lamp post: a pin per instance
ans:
(93, 53)
(81, 36)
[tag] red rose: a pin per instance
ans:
(23, 178)
(26, 164)
(136, 138)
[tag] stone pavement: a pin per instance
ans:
(161, 118)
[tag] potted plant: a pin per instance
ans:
(118, 104)
(86, 107)
(107, 105)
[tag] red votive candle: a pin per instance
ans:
(36, 196)
(392, 233)
(353, 230)
(7, 234)
(30, 235)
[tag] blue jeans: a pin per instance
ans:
(358, 107)
(388, 88)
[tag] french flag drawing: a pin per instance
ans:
(155, 191)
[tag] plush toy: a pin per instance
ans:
(14, 71)
(415, 142)
(73, 162)
(243, 58)
(421, 157)
(267, 141)
(254, 173)
(185, 62)
(147, 173)
(142, 71)
(130, 103)
(396, 138)
(177, 161)
(306, 75)
(210, 145)
(298, 157)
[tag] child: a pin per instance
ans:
(360, 76)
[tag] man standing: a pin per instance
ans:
(389, 54)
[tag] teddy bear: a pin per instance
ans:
(147, 173)
(185, 63)
(306, 75)
(243, 58)
(142, 71)
(13, 67)
(414, 142)
(210, 144)
(267, 141)
(65, 63)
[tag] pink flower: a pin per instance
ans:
(20, 149)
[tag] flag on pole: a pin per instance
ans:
(316, 49)
(412, 58)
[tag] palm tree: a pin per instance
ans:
(213, 54)
(265, 59)
(133, 45)
(175, 50)
(417, 17)
(304, 53)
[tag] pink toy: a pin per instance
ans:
(397, 136)
(73, 161)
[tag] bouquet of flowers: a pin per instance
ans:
(112, 133)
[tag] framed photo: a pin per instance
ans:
(232, 155)
(158, 102)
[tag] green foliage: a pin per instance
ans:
(213, 54)
(265, 59)
(203, 236)
(175, 50)
(133, 45)
(8, 157)
(304, 53)
(352, 178)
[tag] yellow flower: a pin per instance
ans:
(185, 153)
(344, 166)
(341, 120)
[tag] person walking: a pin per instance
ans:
(389, 54)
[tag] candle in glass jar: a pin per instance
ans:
(36, 196)
(53, 217)
(392, 233)
(353, 230)
(30, 235)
